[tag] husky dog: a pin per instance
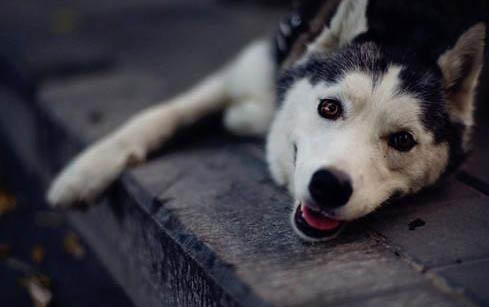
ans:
(361, 101)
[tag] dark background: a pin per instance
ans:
(51, 39)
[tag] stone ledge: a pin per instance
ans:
(226, 243)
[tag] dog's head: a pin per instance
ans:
(366, 123)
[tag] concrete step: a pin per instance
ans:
(226, 243)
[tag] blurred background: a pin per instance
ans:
(42, 258)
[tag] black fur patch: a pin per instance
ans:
(294, 25)
(365, 57)
(300, 22)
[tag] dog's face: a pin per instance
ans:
(357, 128)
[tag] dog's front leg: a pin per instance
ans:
(100, 164)
(89, 174)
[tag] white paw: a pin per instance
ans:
(86, 177)
(248, 118)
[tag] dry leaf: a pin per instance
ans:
(18, 265)
(38, 254)
(5, 250)
(73, 246)
(49, 219)
(64, 21)
(8, 203)
(38, 288)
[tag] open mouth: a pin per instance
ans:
(315, 224)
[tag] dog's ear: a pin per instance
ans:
(348, 21)
(461, 67)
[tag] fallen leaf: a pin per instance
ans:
(18, 265)
(8, 203)
(38, 288)
(5, 250)
(49, 219)
(38, 254)
(73, 246)
(64, 21)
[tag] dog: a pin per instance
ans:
(361, 101)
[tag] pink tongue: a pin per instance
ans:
(319, 222)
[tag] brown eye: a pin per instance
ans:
(330, 109)
(402, 141)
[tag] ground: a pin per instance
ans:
(35, 241)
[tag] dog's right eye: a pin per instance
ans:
(330, 109)
(402, 141)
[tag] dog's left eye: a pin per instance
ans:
(330, 109)
(402, 141)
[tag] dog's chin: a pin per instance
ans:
(312, 225)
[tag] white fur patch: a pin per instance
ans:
(250, 82)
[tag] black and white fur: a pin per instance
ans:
(393, 66)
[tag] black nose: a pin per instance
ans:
(330, 189)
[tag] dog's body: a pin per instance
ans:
(362, 100)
